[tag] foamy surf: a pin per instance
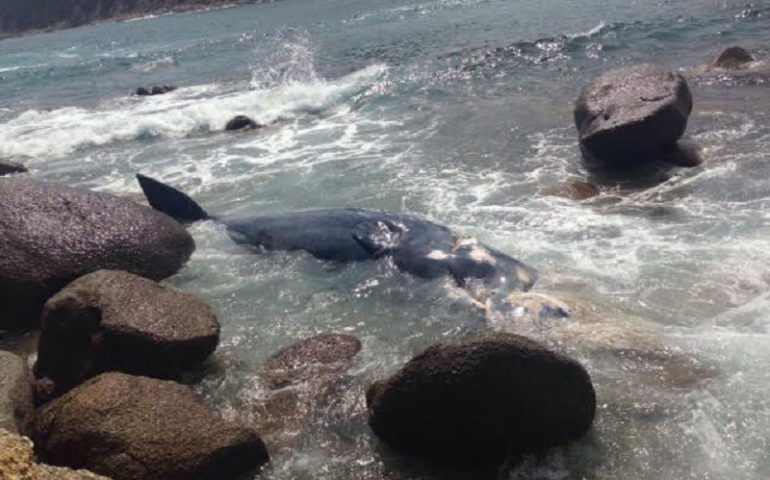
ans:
(180, 114)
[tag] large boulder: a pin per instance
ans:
(632, 114)
(110, 320)
(17, 462)
(733, 58)
(481, 400)
(138, 428)
(8, 167)
(16, 407)
(52, 235)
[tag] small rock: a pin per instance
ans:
(155, 90)
(632, 114)
(16, 407)
(7, 168)
(137, 428)
(481, 400)
(16, 463)
(733, 58)
(116, 321)
(241, 122)
(52, 235)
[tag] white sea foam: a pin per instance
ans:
(179, 114)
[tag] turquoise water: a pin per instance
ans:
(460, 111)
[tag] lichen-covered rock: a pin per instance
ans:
(52, 235)
(17, 463)
(733, 58)
(481, 400)
(138, 428)
(16, 407)
(632, 114)
(110, 320)
(8, 167)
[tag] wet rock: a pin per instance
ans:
(733, 58)
(304, 379)
(117, 321)
(309, 358)
(8, 168)
(632, 114)
(154, 90)
(16, 406)
(52, 235)
(17, 463)
(573, 190)
(138, 428)
(241, 122)
(481, 400)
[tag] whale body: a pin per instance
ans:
(416, 246)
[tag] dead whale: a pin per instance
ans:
(416, 246)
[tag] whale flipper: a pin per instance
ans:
(171, 201)
(378, 237)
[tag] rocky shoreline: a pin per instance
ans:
(14, 22)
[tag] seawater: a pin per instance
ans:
(459, 111)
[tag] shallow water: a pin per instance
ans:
(460, 111)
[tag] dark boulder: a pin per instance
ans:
(117, 321)
(632, 114)
(51, 235)
(241, 122)
(154, 90)
(481, 400)
(16, 406)
(733, 58)
(309, 358)
(8, 168)
(137, 428)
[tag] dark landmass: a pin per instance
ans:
(21, 17)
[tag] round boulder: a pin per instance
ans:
(110, 320)
(632, 114)
(52, 235)
(733, 58)
(241, 122)
(138, 428)
(304, 360)
(8, 168)
(481, 400)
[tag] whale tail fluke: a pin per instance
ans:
(171, 201)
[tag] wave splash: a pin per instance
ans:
(284, 86)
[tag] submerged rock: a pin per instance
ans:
(137, 428)
(305, 360)
(632, 114)
(17, 463)
(572, 190)
(481, 400)
(241, 122)
(155, 90)
(733, 58)
(7, 168)
(116, 321)
(52, 235)
(16, 406)
(303, 378)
